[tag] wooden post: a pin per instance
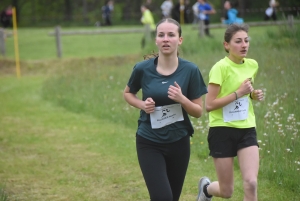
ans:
(181, 9)
(291, 21)
(16, 43)
(201, 28)
(2, 41)
(58, 41)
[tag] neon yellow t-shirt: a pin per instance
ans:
(147, 18)
(230, 76)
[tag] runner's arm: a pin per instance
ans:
(214, 103)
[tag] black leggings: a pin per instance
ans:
(163, 166)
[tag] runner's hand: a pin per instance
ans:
(245, 88)
(174, 92)
(149, 105)
(257, 94)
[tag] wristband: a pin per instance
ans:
(236, 96)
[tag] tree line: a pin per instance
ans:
(87, 12)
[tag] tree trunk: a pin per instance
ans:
(84, 12)
(33, 12)
(242, 8)
(15, 3)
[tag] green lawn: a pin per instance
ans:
(49, 153)
(37, 44)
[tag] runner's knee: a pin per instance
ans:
(250, 185)
(226, 192)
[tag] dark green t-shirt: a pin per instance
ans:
(144, 76)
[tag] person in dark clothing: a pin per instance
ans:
(6, 17)
(270, 12)
(186, 12)
(106, 12)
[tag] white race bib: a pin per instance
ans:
(165, 115)
(202, 16)
(269, 11)
(236, 110)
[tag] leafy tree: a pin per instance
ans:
(87, 12)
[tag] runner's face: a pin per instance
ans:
(238, 45)
(167, 38)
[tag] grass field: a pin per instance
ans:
(67, 134)
(37, 44)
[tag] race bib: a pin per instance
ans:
(202, 16)
(165, 115)
(236, 110)
(269, 11)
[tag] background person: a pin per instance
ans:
(231, 118)
(231, 14)
(196, 12)
(172, 89)
(166, 8)
(178, 8)
(205, 9)
(6, 17)
(148, 20)
(107, 12)
(270, 12)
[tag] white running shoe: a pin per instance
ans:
(201, 196)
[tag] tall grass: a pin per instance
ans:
(3, 195)
(94, 86)
(286, 36)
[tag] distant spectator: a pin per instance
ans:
(147, 19)
(177, 8)
(6, 17)
(107, 12)
(271, 10)
(205, 10)
(166, 8)
(176, 11)
(196, 12)
(188, 12)
(231, 15)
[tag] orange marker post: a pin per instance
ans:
(16, 44)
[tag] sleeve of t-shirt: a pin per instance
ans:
(197, 87)
(215, 75)
(208, 7)
(134, 82)
(147, 17)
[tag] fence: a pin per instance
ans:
(58, 33)
(290, 22)
(146, 30)
(2, 41)
(3, 35)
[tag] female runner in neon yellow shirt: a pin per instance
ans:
(231, 118)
